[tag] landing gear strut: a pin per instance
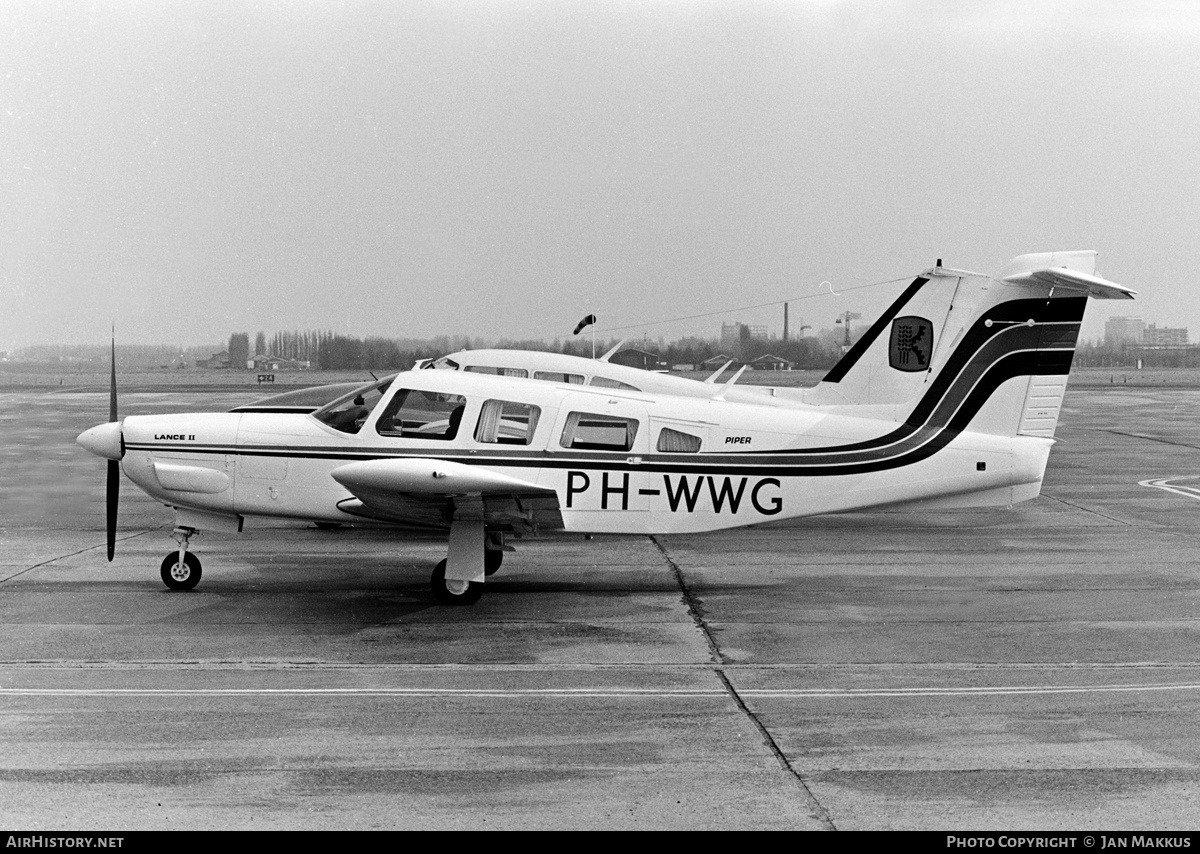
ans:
(181, 569)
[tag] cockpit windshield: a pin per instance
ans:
(348, 412)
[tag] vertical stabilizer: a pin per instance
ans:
(966, 350)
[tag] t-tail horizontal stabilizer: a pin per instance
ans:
(1052, 269)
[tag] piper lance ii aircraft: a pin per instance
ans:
(950, 399)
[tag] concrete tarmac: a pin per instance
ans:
(1032, 668)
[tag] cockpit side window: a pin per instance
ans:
(505, 422)
(559, 377)
(416, 414)
(677, 442)
(348, 412)
(499, 372)
(590, 432)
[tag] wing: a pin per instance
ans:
(433, 493)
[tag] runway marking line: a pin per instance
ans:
(565, 693)
(1170, 485)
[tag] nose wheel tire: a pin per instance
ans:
(181, 576)
(453, 592)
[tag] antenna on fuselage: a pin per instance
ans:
(718, 372)
(720, 395)
(614, 350)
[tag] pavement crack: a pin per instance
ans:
(1152, 439)
(1187, 535)
(1090, 510)
(57, 558)
(693, 605)
(814, 806)
(694, 611)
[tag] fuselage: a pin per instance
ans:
(615, 460)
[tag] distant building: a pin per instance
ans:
(770, 363)
(217, 360)
(1124, 330)
(635, 358)
(277, 363)
(716, 362)
(1154, 336)
(731, 333)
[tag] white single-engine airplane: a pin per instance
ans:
(950, 399)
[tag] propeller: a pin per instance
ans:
(112, 489)
(105, 440)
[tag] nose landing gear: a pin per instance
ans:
(181, 569)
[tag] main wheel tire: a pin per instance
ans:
(179, 576)
(492, 558)
(443, 593)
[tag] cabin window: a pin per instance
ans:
(505, 422)
(348, 412)
(558, 377)
(589, 432)
(605, 382)
(676, 442)
(416, 414)
(499, 372)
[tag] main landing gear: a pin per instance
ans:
(453, 592)
(181, 569)
(465, 585)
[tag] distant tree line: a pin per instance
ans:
(300, 345)
(128, 355)
(810, 352)
(330, 351)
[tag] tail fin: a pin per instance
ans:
(988, 354)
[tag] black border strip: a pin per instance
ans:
(855, 353)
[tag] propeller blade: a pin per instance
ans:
(112, 490)
(112, 386)
(113, 487)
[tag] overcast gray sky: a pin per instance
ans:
(190, 169)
